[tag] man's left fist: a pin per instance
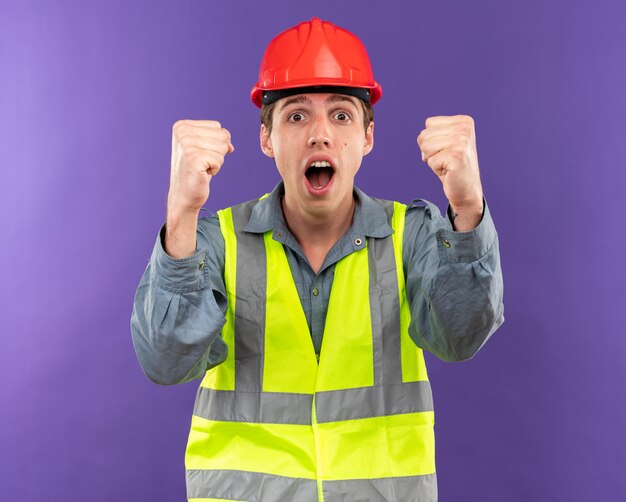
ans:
(448, 145)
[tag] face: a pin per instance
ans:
(318, 142)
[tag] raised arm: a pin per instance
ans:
(179, 305)
(452, 265)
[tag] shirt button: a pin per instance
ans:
(358, 241)
(315, 292)
(200, 265)
(446, 244)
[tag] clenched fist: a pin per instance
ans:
(198, 151)
(448, 145)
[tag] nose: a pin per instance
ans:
(320, 134)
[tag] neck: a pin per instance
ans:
(320, 230)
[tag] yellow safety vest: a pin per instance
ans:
(271, 423)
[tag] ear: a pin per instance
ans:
(266, 142)
(369, 139)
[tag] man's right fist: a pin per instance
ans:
(198, 151)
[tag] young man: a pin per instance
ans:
(306, 311)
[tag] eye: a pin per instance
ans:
(342, 116)
(296, 117)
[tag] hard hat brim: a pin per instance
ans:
(265, 96)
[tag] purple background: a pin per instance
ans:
(88, 94)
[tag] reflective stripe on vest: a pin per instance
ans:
(271, 424)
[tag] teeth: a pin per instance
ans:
(320, 163)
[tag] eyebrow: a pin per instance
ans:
(334, 98)
(297, 99)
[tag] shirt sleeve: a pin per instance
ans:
(179, 309)
(453, 281)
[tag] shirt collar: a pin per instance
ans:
(369, 216)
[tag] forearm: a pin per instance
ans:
(454, 284)
(178, 315)
(461, 308)
(171, 336)
(180, 232)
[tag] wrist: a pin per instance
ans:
(475, 207)
(180, 233)
(467, 216)
(177, 210)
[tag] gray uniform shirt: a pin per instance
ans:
(453, 284)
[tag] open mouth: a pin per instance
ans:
(319, 174)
